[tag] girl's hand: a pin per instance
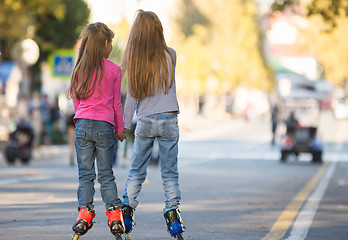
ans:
(120, 136)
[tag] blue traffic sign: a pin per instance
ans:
(62, 62)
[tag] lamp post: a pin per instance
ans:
(26, 53)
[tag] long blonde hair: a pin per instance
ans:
(94, 38)
(144, 61)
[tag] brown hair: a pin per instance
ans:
(144, 60)
(89, 60)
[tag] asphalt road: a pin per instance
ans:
(233, 187)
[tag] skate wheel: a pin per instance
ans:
(128, 237)
(179, 236)
(75, 237)
(118, 237)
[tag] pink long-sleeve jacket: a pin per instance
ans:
(106, 106)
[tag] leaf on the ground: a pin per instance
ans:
(261, 227)
(253, 204)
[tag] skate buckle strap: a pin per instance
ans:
(172, 215)
(83, 222)
(115, 221)
(128, 212)
(174, 222)
(85, 215)
(114, 215)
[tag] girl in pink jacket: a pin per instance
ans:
(95, 90)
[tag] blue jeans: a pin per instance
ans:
(95, 140)
(164, 127)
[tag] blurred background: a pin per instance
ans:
(236, 59)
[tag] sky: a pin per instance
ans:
(111, 11)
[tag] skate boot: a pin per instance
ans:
(174, 222)
(115, 222)
(83, 222)
(129, 221)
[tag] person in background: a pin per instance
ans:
(274, 119)
(70, 130)
(70, 127)
(55, 116)
(291, 124)
(45, 114)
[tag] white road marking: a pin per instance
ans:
(305, 217)
(24, 179)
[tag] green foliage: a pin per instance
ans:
(52, 24)
(17, 20)
(58, 137)
(329, 10)
(121, 30)
(280, 5)
(116, 53)
(61, 28)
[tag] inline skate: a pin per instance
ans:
(83, 222)
(129, 221)
(115, 222)
(174, 222)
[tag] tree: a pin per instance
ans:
(121, 30)
(17, 20)
(52, 24)
(60, 30)
(330, 47)
(190, 16)
(325, 35)
(328, 10)
(237, 45)
(224, 51)
(280, 5)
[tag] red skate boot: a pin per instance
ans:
(83, 222)
(115, 221)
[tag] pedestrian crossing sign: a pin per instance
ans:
(61, 62)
